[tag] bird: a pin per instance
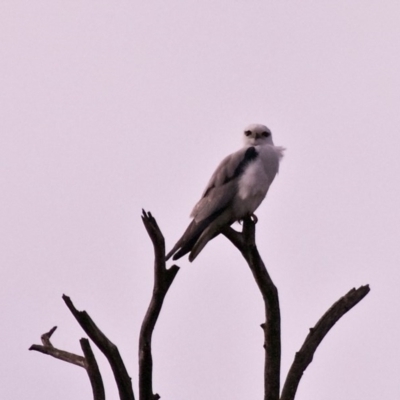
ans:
(235, 190)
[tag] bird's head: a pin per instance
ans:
(257, 134)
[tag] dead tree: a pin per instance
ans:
(163, 278)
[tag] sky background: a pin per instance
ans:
(108, 107)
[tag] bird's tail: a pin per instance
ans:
(187, 241)
(209, 233)
(192, 234)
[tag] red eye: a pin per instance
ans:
(247, 133)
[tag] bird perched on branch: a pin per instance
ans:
(235, 190)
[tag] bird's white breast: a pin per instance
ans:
(257, 178)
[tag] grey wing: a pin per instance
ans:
(212, 211)
(223, 185)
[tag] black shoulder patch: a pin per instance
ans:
(250, 155)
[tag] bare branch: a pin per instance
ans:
(245, 242)
(163, 279)
(305, 355)
(45, 338)
(108, 348)
(89, 363)
(93, 371)
(49, 349)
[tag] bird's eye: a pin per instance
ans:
(266, 134)
(247, 133)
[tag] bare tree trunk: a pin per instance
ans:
(245, 242)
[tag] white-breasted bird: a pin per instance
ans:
(235, 190)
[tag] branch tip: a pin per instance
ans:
(46, 336)
(306, 353)
(108, 348)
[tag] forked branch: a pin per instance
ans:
(245, 242)
(49, 349)
(88, 362)
(163, 279)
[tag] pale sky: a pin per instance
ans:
(111, 106)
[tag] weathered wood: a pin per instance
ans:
(108, 348)
(305, 355)
(163, 279)
(88, 362)
(93, 371)
(245, 242)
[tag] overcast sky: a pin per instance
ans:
(111, 106)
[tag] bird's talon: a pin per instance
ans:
(254, 218)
